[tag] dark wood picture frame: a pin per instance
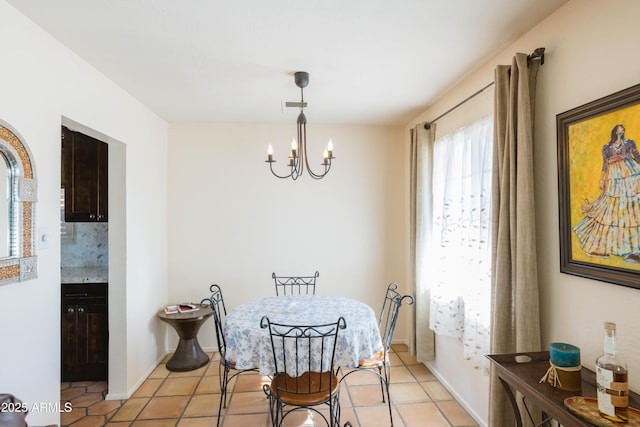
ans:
(595, 247)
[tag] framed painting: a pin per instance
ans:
(599, 188)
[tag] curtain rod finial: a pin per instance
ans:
(537, 53)
(427, 126)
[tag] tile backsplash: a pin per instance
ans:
(85, 244)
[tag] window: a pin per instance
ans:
(459, 248)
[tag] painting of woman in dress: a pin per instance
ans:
(610, 225)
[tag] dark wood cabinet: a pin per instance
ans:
(84, 177)
(84, 332)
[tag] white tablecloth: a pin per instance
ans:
(250, 347)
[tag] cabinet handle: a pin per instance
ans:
(100, 216)
(83, 294)
(80, 310)
(92, 216)
(70, 310)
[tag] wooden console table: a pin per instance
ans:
(522, 372)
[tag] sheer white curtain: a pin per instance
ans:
(460, 248)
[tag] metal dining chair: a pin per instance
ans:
(226, 367)
(379, 363)
(295, 285)
(305, 375)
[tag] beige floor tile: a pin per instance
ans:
(365, 395)
(208, 384)
(72, 416)
(178, 386)
(198, 422)
(161, 371)
(394, 360)
(348, 414)
(303, 418)
(148, 387)
(90, 421)
(455, 413)
(253, 420)
(345, 399)
(407, 393)
(130, 410)
(436, 391)
(422, 415)
(71, 393)
(407, 359)
(400, 347)
(104, 407)
(213, 368)
(250, 382)
(86, 399)
(203, 405)
(164, 407)
(362, 377)
(154, 423)
(98, 387)
(248, 403)
(421, 372)
(401, 374)
(376, 416)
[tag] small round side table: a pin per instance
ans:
(188, 355)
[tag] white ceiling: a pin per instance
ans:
(370, 61)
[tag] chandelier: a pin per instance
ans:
(298, 157)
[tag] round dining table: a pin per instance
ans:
(249, 345)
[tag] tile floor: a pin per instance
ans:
(190, 399)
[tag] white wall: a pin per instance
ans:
(590, 48)
(233, 223)
(43, 85)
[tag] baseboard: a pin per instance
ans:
(113, 396)
(473, 414)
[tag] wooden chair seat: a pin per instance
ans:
(305, 391)
(374, 361)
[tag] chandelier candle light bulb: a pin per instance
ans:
(270, 153)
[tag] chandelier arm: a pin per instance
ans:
(276, 175)
(311, 172)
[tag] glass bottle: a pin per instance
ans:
(612, 379)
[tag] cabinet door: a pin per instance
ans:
(94, 338)
(68, 343)
(85, 342)
(84, 177)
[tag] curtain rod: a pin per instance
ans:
(538, 53)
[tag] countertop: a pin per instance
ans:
(70, 275)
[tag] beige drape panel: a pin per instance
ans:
(515, 322)
(420, 222)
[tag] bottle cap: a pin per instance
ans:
(609, 326)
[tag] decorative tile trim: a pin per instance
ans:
(28, 268)
(24, 264)
(27, 190)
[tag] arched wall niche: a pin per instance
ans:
(18, 262)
